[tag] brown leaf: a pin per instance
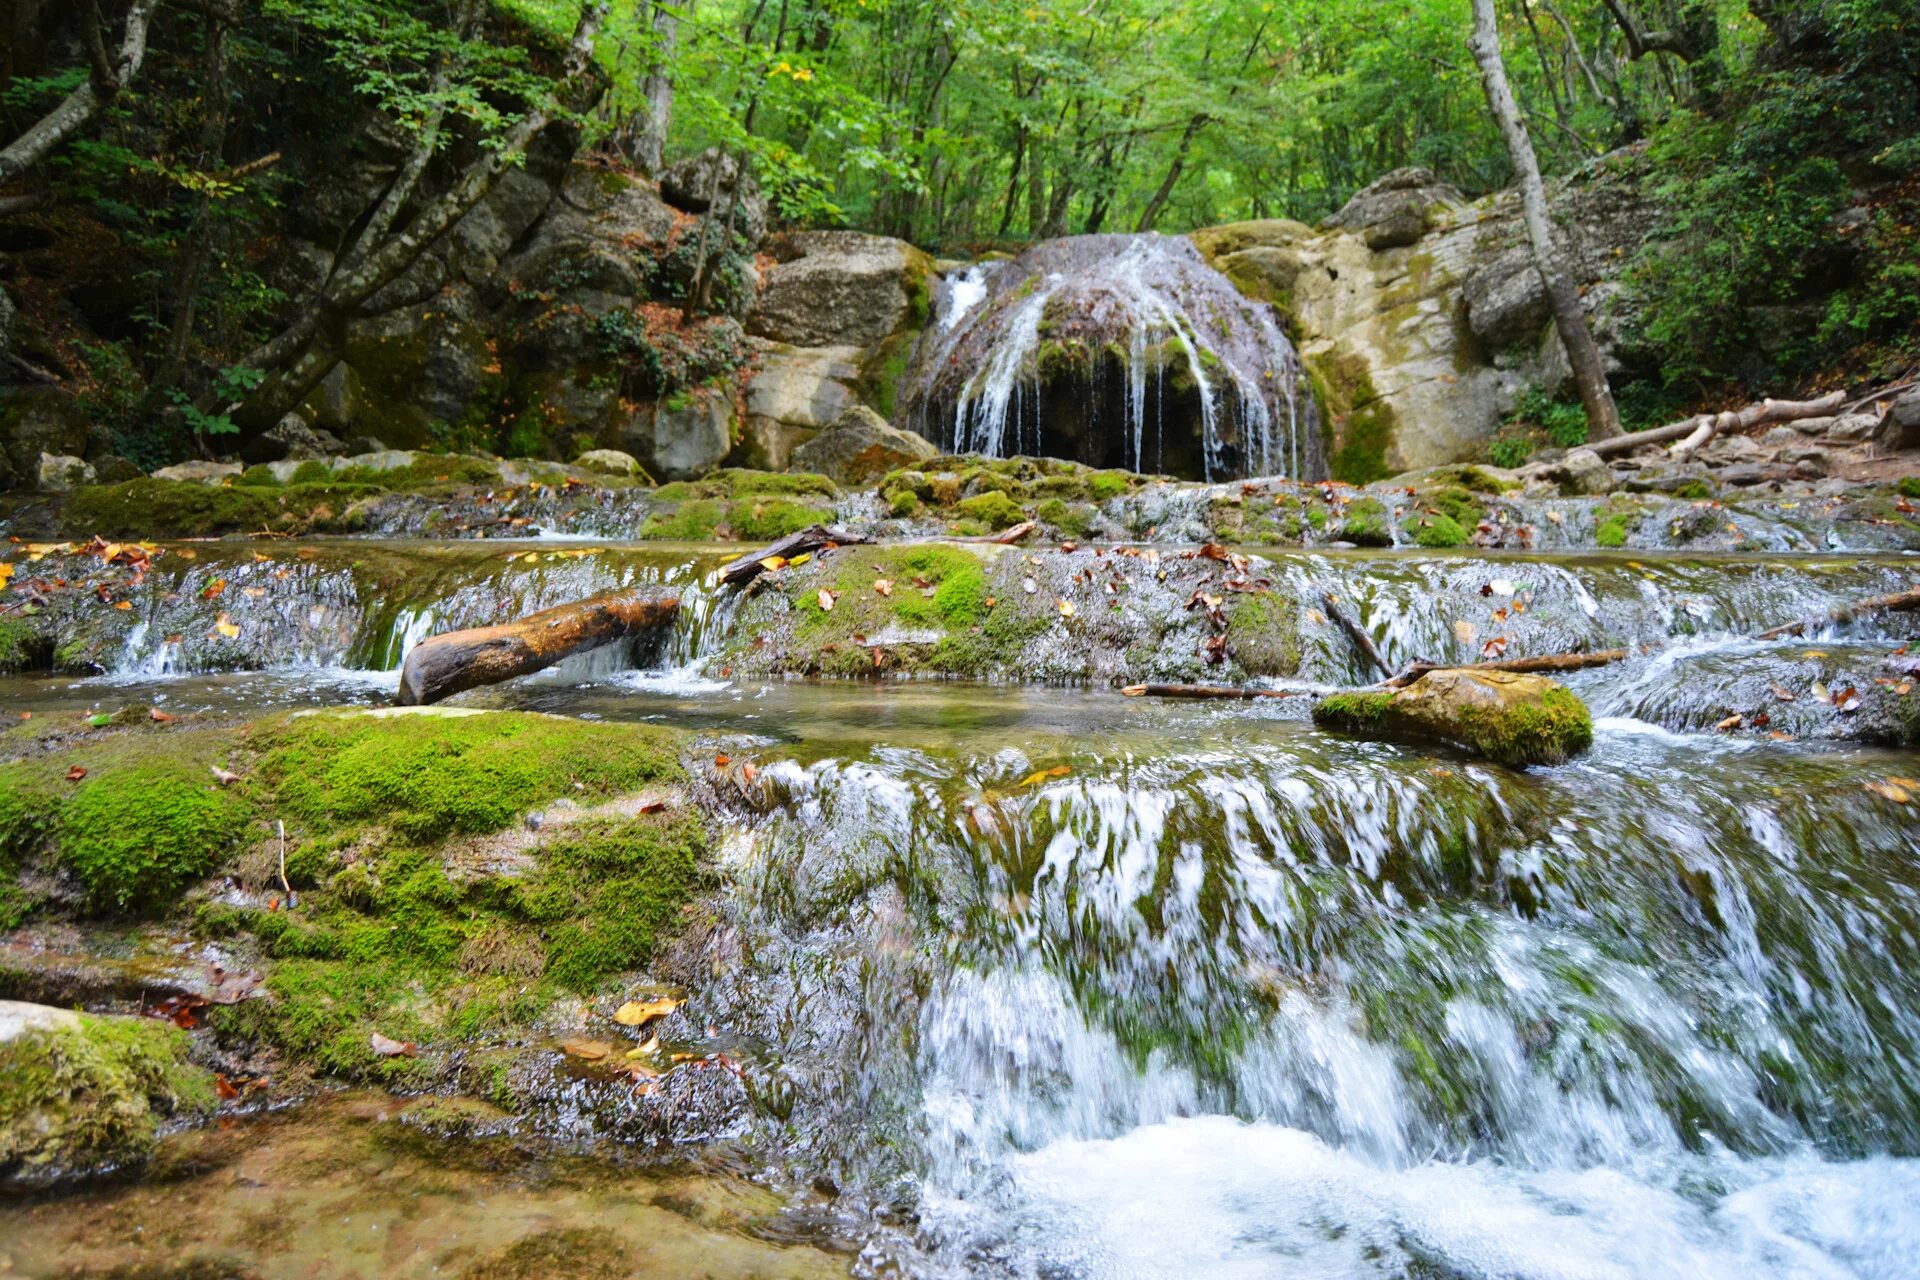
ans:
(826, 599)
(224, 1088)
(1729, 724)
(586, 1050)
(76, 773)
(213, 589)
(1847, 700)
(158, 716)
(1785, 695)
(388, 1047)
(1890, 790)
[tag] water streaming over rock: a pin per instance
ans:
(1118, 351)
(1056, 983)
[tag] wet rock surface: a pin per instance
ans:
(1508, 718)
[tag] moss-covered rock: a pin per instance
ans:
(1509, 718)
(81, 1095)
(1367, 524)
(1435, 530)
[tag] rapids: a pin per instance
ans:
(1048, 982)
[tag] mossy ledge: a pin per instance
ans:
(1511, 719)
(430, 910)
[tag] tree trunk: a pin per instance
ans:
(79, 107)
(649, 145)
(1589, 370)
(444, 665)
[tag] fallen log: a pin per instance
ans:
(443, 665)
(1005, 538)
(1898, 602)
(1361, 640)
(804, 542)
(1208, 691)
(1535, 665)
(1695, 432)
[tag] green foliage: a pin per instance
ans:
(1563, 421)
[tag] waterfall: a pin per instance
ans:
(1125, 351)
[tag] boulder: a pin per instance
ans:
(841, 288)
(767, 444)
(1809, 461)
(111, 468)
(1580, 472)
(420, 366)
(690, 186)
(37, 420)
(291, 439)
(81, 1095)
(1506, 303)
(609, 462)
(1506, 717)
(1853, 428)
(385, 460)
(62, 473)
(1901, 430)
(197, 472)
(808, 387)
(860, 448)
(1397, 209)
(680, 438)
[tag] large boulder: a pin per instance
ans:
(608, 462)
(199, 472)
(841, 288)
(860, 448)
(418, 368)
(81, 1095)
(62, 473)
(682, 437)
(1397, 209)
(690, 185)
(291, 439)
(1902, 427)
(1503, 716)
(37, 420)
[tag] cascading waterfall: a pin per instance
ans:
(1118, 351)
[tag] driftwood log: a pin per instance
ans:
(805, 542)
(1693, 433)
(1544, 662)
(1840, 615)
(443, 665)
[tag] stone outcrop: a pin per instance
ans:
(861, 448)
(1506, 717)
(1421, 345)
(841, 288)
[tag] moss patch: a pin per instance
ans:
(87, 1096)
(1359, 423)
(174, 509)
(1434, 531)
(1367, 524)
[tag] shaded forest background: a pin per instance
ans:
(1780, 137)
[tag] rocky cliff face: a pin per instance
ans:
(1419, 314)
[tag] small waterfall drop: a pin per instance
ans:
(1115, 350)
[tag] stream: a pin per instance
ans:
(1049, 982)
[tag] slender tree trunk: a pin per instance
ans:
(650, 144)
(1589, 370)
(104, 83)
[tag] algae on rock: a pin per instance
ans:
(1509, 718)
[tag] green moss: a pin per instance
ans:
(1263, 634)
(1547, 730)
(904, 504)
(736, 482)
(1546, 724)
(168, 509)
(1437, 531)
(992, 508)
(22, 646)
(312, 471)
(692, 521)
(1367, 524)
(430, 775)
(1457, 503)
(88, 1097)
(424, 472)
(259, 476)
(138, 834)
(1352, 712)
(1073, 521)
(1359, 423)
(1908, 486)
(1103, 485)
(1694, 490)
(1613, 530)
(768, 518)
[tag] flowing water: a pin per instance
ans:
(1055, 983)
(1117, 350)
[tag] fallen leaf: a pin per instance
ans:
(1785, 695)
(722, 760)
(883, 587)
(636, 1013)
(213, 589)
(772, 563)
(586, 1050)
(123, 605)
(747, 772)
(1465, 632)
(388, 1047)
(1847, 700)
(227, 627)
(224, 1088)
(826, 599)
(1066, 608)
(1890, 790)
(1819, 692)
(158, 716)
(76, 773)
(1729, 724)
(1039, 776)
(224, 777)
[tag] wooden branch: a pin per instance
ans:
(444, 665)
(1208, 691)
(805, 542)
(1898, 602)
(85, 102)
(1538, 663)
(1005, 538)
(1361, 640)
(1755, 415)
(1765, 413)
